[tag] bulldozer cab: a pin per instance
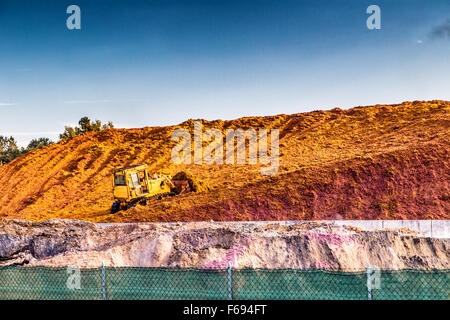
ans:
(131, 182)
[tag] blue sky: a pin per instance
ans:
(150, 63)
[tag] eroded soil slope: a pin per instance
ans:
(307, 245)
(378, 162)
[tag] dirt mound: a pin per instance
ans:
(378, 162)
(307, 245)
(195, 184)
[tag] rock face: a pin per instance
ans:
(304, 245)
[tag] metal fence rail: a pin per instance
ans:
(179, 283)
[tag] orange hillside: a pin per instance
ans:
(378, 162)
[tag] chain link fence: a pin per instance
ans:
(191, 284)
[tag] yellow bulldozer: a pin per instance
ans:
(134, 184)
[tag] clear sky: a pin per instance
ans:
(149, 63)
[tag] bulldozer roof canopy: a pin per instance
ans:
(136, 166)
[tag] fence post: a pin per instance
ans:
(369, 284)
(229, 282)
(103, 282)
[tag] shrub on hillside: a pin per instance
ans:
(84, 125)
(9, 150)
(38, 143)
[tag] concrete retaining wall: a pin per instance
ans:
(431, 228)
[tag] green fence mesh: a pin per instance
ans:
(162, 283)
(48, 283)
(298, 284)
(413, 284)
(177, 283)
